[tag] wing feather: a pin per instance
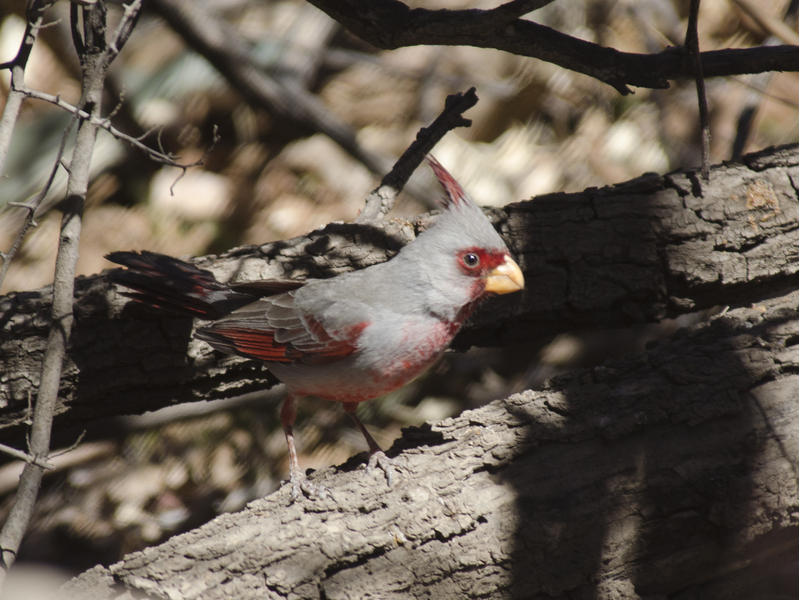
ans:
(273, 330)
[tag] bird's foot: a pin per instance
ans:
(388, 465)
(300, 484)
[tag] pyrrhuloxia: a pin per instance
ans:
(352, 337)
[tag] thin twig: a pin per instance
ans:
(34, 204)
(35, 15)
(19, 454)
(692, 48)
(119, 106)
(74, 445)
(380, 201)
(214, 140)
(105, 124)
(28, 207)
(161, 156)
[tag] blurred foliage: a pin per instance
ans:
(537, 129)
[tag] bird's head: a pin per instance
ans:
(464, 257)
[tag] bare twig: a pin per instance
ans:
(286, 98)
(71, 447)
(89, 31)
(30, 208)
(35, 17)
(33, 205)
(61, 460)
(159, 156)
(214, 140)
(692, 48)
(35, 14)
(19, 454)
(380, 201)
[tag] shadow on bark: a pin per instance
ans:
(651, 483)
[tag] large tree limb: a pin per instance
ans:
(671, 471)
(653, 247)
(391, 24)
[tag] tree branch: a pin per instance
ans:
(390, 24)
(653, 247)
(692, 50)
(20, 455)
(381, 200)
(35, 19)
(104, 123)
(670, 472)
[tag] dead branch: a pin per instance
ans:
(25, 457)
(35, 19)
(159, 156)
(390, 24)
(381, 200)
(692, 50)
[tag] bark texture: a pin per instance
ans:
(670, 473)
(653, 247)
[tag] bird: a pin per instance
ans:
(352, 337)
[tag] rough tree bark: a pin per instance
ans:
(669, 473)
(653, 247)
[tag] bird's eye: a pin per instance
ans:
(471, 260)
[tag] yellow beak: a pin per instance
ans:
(505, 278)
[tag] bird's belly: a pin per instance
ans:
(347, 383)
(364, 375)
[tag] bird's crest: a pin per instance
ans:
(456, 196)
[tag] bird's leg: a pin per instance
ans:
(376, 455)
(298, 479)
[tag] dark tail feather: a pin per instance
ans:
(173, 284)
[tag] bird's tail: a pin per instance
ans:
(175, 285)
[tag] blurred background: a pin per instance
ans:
(537, 129)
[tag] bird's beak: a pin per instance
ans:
(505, 278)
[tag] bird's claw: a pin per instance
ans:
(300, 484)
(388, 465)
